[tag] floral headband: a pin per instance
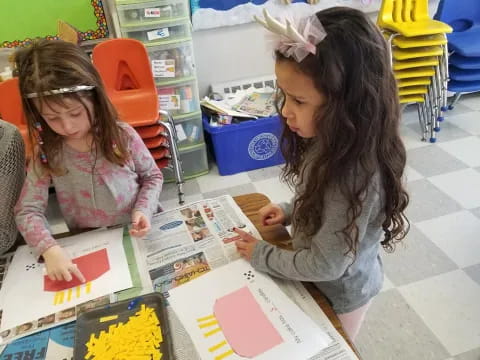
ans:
(295, 39)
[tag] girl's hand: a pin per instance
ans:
(246, 245)
(140, 224)
(272, 214)
(59, 265)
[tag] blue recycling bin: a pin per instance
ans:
(249, 145)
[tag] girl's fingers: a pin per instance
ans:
(51, 276)
(75, 271)
(240, 246)
(65, 275)
(244, 235)
(134, 232)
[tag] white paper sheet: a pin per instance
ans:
(302, 338)
(24, 298)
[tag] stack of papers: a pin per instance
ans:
(250, 103)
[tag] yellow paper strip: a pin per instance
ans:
(218, 346)
(209, 317)
(214, 331)
(58, 299)
(208, 324)
(224, 355)
(108, 318)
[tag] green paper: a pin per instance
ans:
(132, 265)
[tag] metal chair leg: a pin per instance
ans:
(437, 93)
(390, 46)
(446, 76)
(176, 162)
(455, 100)
(431, 114)
(422, 118)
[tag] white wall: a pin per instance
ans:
(237, 52)
(231, 53)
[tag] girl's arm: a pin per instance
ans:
(150, 176)
(31, 207)
(325, 260)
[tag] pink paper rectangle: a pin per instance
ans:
(244, 324)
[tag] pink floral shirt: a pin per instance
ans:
(105, 196)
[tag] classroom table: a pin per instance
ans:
(278, 235)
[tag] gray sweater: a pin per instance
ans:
(320, 259)
(12, 175)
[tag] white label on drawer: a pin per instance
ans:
(169, 102)
(158, 34)
(163, 68)
(152, 12)
(195, 133)
(180, 133)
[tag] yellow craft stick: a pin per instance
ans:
(88, 287)
(78, 291)
(224, 355)
(108, 318)
(209, 317)
(69, 295)
(208, 324)
(218, 346)
(210, 333)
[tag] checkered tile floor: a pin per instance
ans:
(429, 308)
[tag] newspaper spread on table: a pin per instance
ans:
(190, 240)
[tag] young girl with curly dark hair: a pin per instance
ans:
(344, 157)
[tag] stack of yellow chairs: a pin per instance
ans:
(419, 57)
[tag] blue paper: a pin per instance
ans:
(40, 345)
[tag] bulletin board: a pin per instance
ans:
(208, 14)
(22, 21)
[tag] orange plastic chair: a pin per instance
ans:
(11, 109)
(125, 69)
(147, 132)
(129, 83)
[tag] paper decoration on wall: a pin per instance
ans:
(23, 21)
(99, 254)
(67, 32)
(217, 13)
(240, 313)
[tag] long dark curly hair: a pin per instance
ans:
(358, 129)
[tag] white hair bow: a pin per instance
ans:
(295, 40)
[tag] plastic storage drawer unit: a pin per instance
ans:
(189, 131)
(151, 11)
(159, 32)
(194, 163)
(249, 145)
(172, 63)
(180, 99)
